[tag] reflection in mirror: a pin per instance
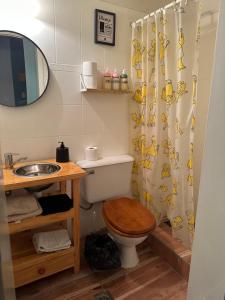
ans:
(24, 71)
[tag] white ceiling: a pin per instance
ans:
(148, 6)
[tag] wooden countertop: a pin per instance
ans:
(69, 170)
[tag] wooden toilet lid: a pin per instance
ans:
(128, 216)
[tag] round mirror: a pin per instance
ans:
(24, 70)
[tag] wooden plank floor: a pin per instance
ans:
(152, 279)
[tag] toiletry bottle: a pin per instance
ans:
(115, 81)
(124, 81)
(62, 153)
(107, 80)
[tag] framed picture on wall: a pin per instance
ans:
(105, 25)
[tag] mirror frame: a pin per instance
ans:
(45, 59)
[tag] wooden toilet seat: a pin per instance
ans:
(127, 217)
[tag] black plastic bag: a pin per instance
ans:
(101, 252)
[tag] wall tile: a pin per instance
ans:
(68, 84)
(116, 127)
(17, 122)
(15, 145)
(65, 67)
(42, 148)
(93, 119)
(70, 122)
(46, 119)
(68, 28)
(32, 148)
(114, 144)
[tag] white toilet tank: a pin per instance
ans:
(107, 178)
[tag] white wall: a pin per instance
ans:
(206, 58)
(207, 277)
(64, 30)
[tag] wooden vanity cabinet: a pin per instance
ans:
(29, 266)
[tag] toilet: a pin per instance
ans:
(127, 221)
(130, 223)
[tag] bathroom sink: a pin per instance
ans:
(35, 170)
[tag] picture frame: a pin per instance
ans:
(105, 27)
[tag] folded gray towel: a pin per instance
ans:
(21, 202)
(22, 205)
(20, 217)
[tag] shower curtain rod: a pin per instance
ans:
(165, 7)
(158, 10)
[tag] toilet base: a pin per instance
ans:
(128, 252)
(128, 256)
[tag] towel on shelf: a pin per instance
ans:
(51, 241)
(55, 204)
(20, 217)
(22, 205)
(21, 202)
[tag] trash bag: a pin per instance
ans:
(101, 252)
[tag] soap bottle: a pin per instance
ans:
(124, 81)
(62, 153)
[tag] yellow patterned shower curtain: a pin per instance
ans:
(165, 80)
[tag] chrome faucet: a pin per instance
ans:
(9, 163)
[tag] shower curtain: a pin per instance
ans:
(165, 80)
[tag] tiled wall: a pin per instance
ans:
(64, 31)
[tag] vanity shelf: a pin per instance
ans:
(27, 264)
(40, 221)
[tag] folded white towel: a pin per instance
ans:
(19, 217)
(21, 202)
(51, 241)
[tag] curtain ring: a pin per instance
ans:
(175, 5)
